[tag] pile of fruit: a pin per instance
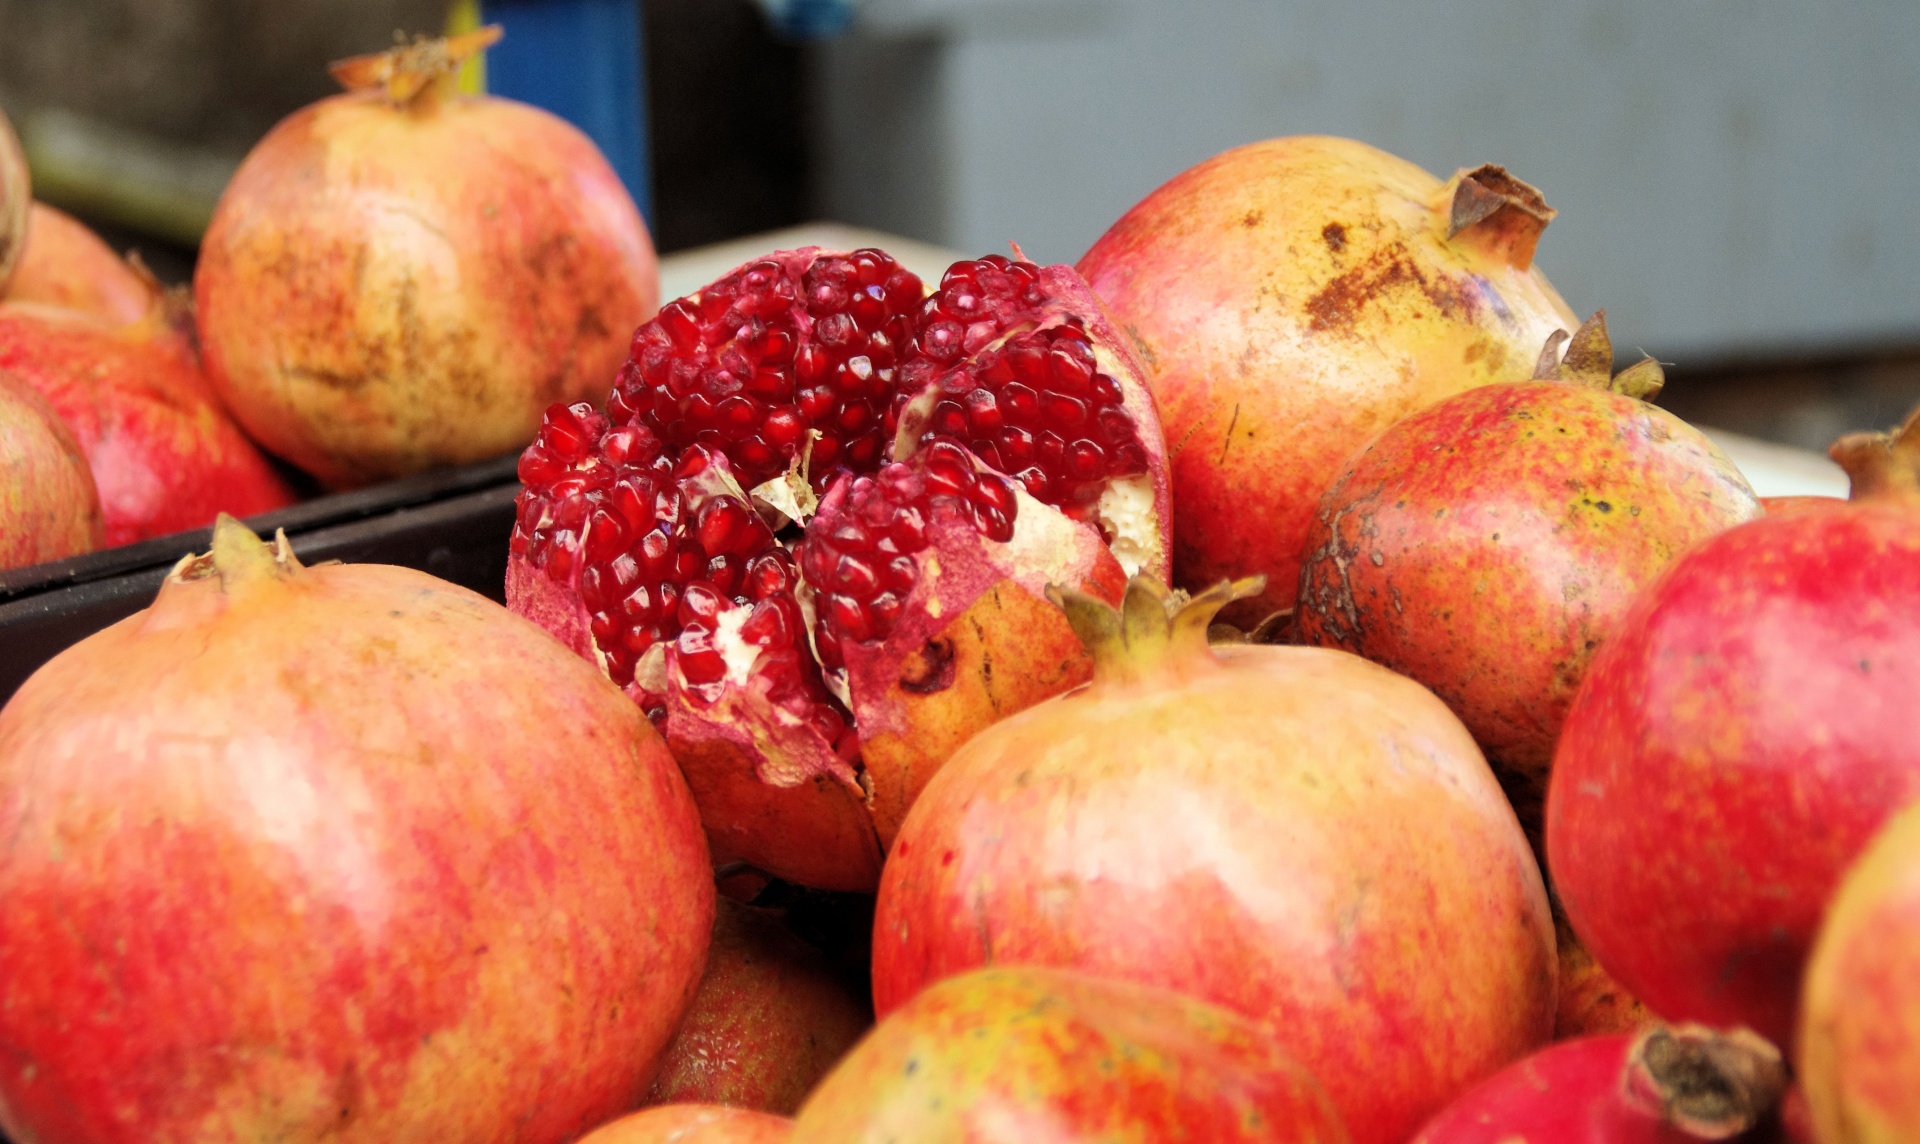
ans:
(1274, 681)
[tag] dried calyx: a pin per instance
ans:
(1589, 361)
(1499, 212)
(416, 73)
(1882, 466)
(239, 557)
(1155, 626)
(1710, 1085)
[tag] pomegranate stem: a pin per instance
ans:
(1882, 466)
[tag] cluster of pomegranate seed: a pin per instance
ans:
(751, 363)
(859, 556)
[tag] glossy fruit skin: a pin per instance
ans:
(1487, 545)
(1291, 298)
(165, 456)
(385, 290)
(768, 1022)
(1859, 1034)
(1735, 744)
(1045, 1056)
(693, 1124)
(49, 509)
(288, 862)
(64, 264)
(16, 195)
(1277, 831)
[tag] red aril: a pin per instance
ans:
(342, 853)
(16, 196)
(48, 507)
(65, 264)
(1292, 833)
(1736, 742)
(693, 1124)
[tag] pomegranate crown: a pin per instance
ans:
(1589, 361)
(409, 69)
(1491, 209)
(1711, 1085)
(239, 557)
(1153, 625)
(1882, 466)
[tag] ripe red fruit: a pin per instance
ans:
(164, 455)
(288, 861)
(1487, 545)
(1293, 833)
(402, 277)
(693, 1124)
(1015, 1055)
(768, 1022)
(1659, 1086)
(1737, 741)
(65, 264)
(1591, 1002)
(48, 507)
(1294, 297)
(811, 686)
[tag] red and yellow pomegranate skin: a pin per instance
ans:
(768, 1022)
(1293, 833)
(1734, 745)
(164, 454)
(49, 509)
(1487, 545)
(693, 1124)
(16, 196)
(65, 264)
(1859, 1035)
(288, 862)
(1591, 1002)
(1292, 298)
(384, 289)
(1019, 1055)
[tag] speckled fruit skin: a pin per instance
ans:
(385, 290)
(1292, 298)
(48, 507)
(1024, 1055)
(16, 194)
(65, 264)
(345, 853)
(1293, 833)
(768, 1022)
(1735, 744)
(164, 455)
(1859, 1035)
(1591, 1001)
(693, 1124)
(1489, 544)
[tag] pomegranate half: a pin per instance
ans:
(49, 509)
(401, 277)
(342, 853)
(1736, 742)
(1294, 297)
(1293, 833)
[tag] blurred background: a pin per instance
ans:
(1735, 178)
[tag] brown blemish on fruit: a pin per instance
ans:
(1252, 218)
(1335, 236)
(1388, 271)
(930, 669)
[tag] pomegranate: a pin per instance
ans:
(163, 453)
(340, 853)
(65, 264)
(1013, 1055)
(402, 277)
(1487, 545)
(1292, 298)
(1591, 1002)
(1787, 506)
(693, 1124)
(16, 193)
(1293, 833)
(1735, 743)
(48, 507)
(768, 1022)
(1659, 1086)
(811, 685)
(1859, 1035)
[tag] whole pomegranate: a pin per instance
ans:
(1659, 1086)
(693, 1124)
(1591, 1002)
(1487, 545)
(1294, 297)
(164, 454)
(402, 277)
(341, 853)
(1737, 741)
(1859, 1035)
(65, 264)
(1294, 833)
(48, 507)
(16, 194)
(1015, 1055)
(814, 660)
(768, 1022)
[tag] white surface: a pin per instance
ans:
(1781, 470)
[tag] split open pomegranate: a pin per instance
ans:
(812, 531)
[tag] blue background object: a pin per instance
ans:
(581, 60)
